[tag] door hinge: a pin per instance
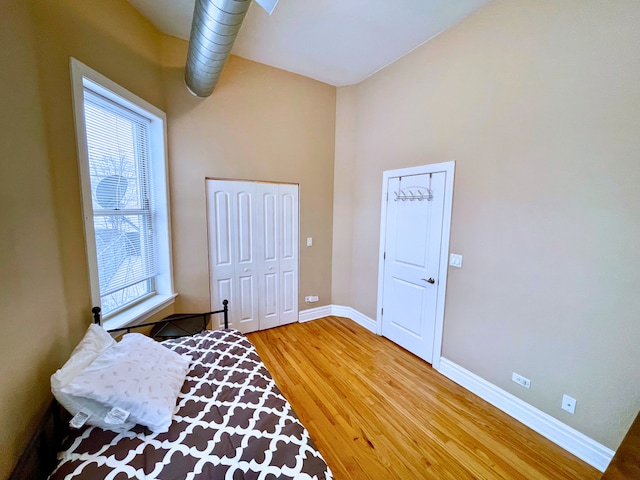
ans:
(381, 311)
(384, 256)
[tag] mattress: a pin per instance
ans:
(231, 422)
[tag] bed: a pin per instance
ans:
(231, 422)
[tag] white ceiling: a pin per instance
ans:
(340, 42)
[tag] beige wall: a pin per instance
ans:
(46, 304)
(344, 174)
(263, 124)
(111, 37)
(32, 309)
(539, 104)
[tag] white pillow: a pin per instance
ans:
(95, 341)
(137, 375)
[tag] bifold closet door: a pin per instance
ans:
(253, 252)
(277, 251)
(232, 263)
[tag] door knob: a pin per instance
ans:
(429, 280)
(246, 269)
(270, 268)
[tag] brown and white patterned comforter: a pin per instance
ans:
(231, 423)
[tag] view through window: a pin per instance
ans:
(122, 197)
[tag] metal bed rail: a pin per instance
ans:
(206, 317)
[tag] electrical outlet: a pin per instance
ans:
(520, 380)
(569, 404)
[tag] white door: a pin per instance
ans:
(232, 253)
(413, 236)
(253, 252)
(288, 268)
(277, 250)
(269, 255)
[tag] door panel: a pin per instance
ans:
(222, 230)
(246, 312)
(232, 258)
(270, 296)
(268, 254)
(288, 265)
(410, 298)
(270, 219)
(221, 245)
(245, 293)
(288, 291)
(412, 259)
(409, 251)
(289, 214)
(245, 240)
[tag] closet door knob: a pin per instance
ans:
(246, 269)
(270, 268)
(429, 280)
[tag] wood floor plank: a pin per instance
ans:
(375, 411)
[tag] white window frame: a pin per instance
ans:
(84, 77)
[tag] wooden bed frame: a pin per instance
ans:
(39, 457)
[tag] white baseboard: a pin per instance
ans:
(355, 315)
(338, 311)
(314, 313)
(583, 447)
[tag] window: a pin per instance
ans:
(122, 165)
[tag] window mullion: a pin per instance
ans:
(130, 211)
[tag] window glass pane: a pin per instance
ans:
(117, 147)
(125, 296)
(122, 246)
(118, 169)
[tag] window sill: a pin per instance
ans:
(140, 312)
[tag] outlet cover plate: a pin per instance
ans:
(569, 404)
(520, 380)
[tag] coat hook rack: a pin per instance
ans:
(414, 193)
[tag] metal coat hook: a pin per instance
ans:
(414, 193)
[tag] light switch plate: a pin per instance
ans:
(455, 260)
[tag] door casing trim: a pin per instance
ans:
(449, 169)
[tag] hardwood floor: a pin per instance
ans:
(375, 411)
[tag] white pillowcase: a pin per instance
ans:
(137, 375)
(95, 341)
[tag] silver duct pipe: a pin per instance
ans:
(216, 24)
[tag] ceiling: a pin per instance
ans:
(340, 42)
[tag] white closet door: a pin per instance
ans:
(246, 272)
(268, 249)
(253, 242)
(231, 232)
(221, 256)
(288, 268)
